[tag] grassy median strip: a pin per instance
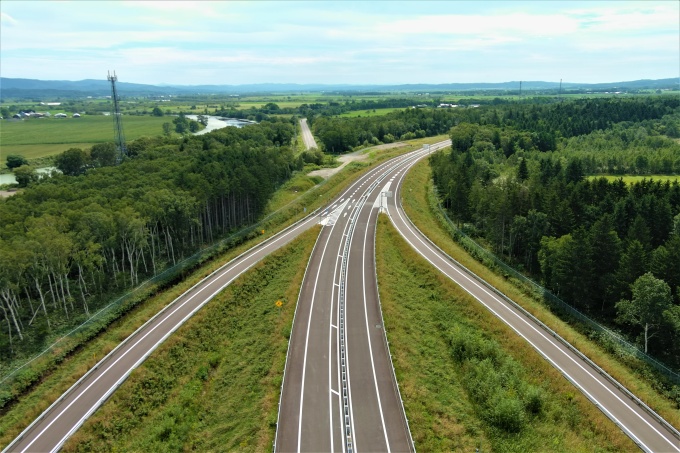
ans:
(417, 185)
(467, 380)
(215, 384)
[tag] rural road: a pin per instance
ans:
(339, 389)
(307, 136)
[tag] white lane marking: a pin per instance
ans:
(368, 336)
(333, 391)
(331, 218)
(335, 327)
(530, 325)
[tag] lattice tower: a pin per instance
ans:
(118, 135)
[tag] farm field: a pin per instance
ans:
(632, 179)
(37, 138)
(373, 112)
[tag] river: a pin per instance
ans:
(218, 122)
(8, 178)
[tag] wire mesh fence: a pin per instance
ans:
(490, 260)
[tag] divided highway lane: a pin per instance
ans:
(49, 431)
(646, 429)
(339, 391)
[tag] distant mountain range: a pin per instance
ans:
(27, 88)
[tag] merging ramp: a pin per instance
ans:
(49, 431)
(646, 428)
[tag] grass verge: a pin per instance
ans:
(215, 384)
(418, 185)
(467, 381)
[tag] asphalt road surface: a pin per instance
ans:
(307, 136)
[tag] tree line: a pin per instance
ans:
(69, 242)
(599, 245)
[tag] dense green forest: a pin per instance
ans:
(543, 125)
(517, 182)
(68, 243)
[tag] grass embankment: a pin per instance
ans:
(466, 379)
(418, 185)
(215, 384)
(41, 137)
(632, 179)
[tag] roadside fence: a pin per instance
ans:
(492, 261)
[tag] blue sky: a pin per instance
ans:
(381, 42)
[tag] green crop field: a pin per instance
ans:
(632, 179)
(373, 112)
(34, 138)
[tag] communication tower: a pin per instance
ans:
(118, 135)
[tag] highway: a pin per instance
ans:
(59, 421)
(339, 391)
(307, 136)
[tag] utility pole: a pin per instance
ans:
(118, 135)
(560, 96)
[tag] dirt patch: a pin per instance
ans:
(345, 159)
(7, 193)
(387, 146)
(356, 155)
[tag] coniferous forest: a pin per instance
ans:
(68, 243)
(521, 181)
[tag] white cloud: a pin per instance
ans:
(7, 20)
(332, 42)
